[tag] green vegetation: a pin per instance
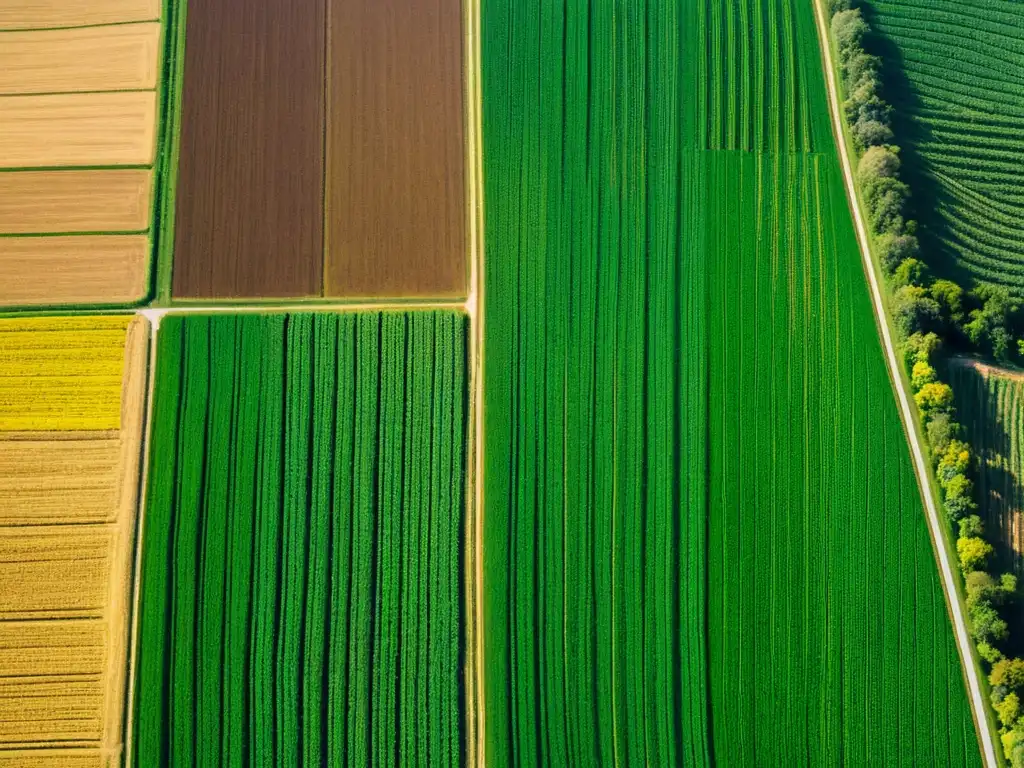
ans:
(985, 319)
(301, 575)
(952, 72)
(753, 77)
(925, 314)
(696, 550)
(826, 577)
(172, 66)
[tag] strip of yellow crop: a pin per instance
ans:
(62, 373)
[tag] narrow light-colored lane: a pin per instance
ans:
(978, 704)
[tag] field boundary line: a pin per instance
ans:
(153, 313)
(978, 705)
(132, 650)
(474, 310)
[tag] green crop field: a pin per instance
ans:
(991, 408)
(756, 81)
(827, 633)
(301, 598)
(696, 548)
(953, 74)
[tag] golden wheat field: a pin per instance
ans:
(72, 395)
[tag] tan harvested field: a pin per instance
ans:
(37, 490)
(69, 269)
(77, 129)
(47, 14)
(34, 202)
(115, 58)
(56, 758)
(77, 102)
(72, 396)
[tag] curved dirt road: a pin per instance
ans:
(978, 704)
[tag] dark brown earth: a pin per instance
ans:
(249, 218)
(395, 155)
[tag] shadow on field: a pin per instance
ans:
(910, 133)
(998, 485)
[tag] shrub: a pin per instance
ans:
(1008, 709)
(894, 248)
(869, 132)
(884, 200)
(920, 346)
(910, 272)
(989, 324)
(934, 397)
(978, 581)
(1013, 746)
(973, 527)
(1009, 672)
(922, 374)
(914, 311)
(973, 553)
(989, 653)
(1008, 586)
(862, 69)
(958, 497)
(941, 431)
(986, 624)
(949, 295)
(878, 163)
(999, 339)
(835, 6)
(848, 30)
(955, 460)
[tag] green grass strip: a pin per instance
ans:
(165, 168)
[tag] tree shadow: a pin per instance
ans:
(998, 484)
(910, 133)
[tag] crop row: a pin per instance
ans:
(755, 59)
(300, 595)
(959, 119)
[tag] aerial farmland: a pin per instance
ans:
(511, 383)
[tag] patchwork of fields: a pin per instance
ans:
(301, 598)
(953, 74)
(79, 102)
(696, 537)
(695, 547)
(72, 395)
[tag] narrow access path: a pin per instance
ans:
(962, 361)
(928, 492)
